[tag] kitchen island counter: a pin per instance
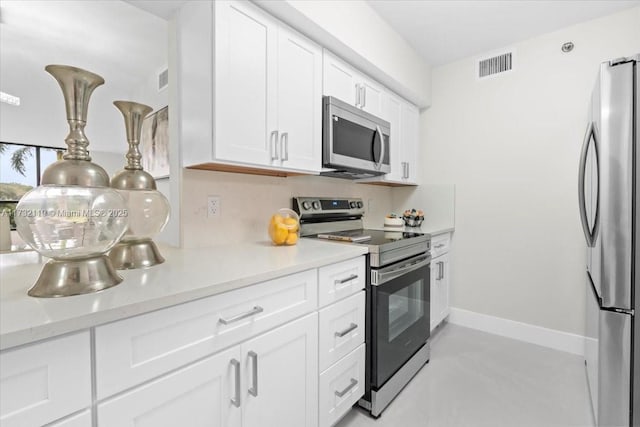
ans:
(187, 274)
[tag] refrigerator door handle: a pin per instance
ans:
(589, 234)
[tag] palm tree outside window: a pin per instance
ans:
(21, 168)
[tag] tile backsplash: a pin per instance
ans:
(248, 201)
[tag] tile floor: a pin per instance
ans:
(475, 379)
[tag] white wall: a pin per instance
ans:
(511, 146)
(438, 201)
(248, 201)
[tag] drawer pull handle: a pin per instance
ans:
(255, 310)
(439, 245)
(235, 401)
(346, 331)
(349, 387)
(253, 391)
(348, 279)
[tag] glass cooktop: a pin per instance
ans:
(369, 237)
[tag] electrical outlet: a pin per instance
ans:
(213, 206)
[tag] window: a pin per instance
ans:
(21, 168)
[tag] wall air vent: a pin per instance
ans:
(163, 79)
(495, 64)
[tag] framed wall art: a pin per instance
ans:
(154, 143)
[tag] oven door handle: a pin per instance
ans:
(383, 276)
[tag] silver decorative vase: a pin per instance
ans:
(74, 216)
(148, 208)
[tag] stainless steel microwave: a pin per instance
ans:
(355, 144)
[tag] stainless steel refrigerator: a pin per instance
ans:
(609, 181)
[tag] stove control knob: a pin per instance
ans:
(306, 205)
(316, 205)
(353, 205)
(360, 205)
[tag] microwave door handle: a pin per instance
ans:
(382, 148)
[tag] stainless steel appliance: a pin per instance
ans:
(355, 144)
(397, 293)
(609, 193)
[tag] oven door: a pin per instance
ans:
(399, 316)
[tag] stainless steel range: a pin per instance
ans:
(397, 317)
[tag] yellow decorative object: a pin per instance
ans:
(284, 227)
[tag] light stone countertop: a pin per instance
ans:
(186, 275)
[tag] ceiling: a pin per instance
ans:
(444, 31)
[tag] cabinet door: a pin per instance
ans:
(299, 101)
(444, 288)
(394, 110)
(410, 140)
(245, 83)
(42, 382)
(434, 304)
(372, 97)
(280, 371)
(205, 394)
(339, 79)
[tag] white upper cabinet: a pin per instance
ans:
(340, 80)
(409, 142)
(263, 90)
(344, 82)
(404, 120)
(394, 109)
(245, 84)
(299, 98)
(371, 99)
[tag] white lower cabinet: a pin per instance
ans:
(204, 394)
(43, 382)
(341, 386)
(247, 357)
(143, 347)
(243, 386)
(440, 306)
(342, 354)
(341, 329)
(281, 376)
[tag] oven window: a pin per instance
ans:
(406, 307)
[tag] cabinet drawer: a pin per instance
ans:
(134, 350)
(341, 386)
(440, 244)
(341, 329)
(43, 382)
(338, 281)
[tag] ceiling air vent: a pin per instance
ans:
(163, 80)
(496, 64)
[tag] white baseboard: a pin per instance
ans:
(563, 341)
